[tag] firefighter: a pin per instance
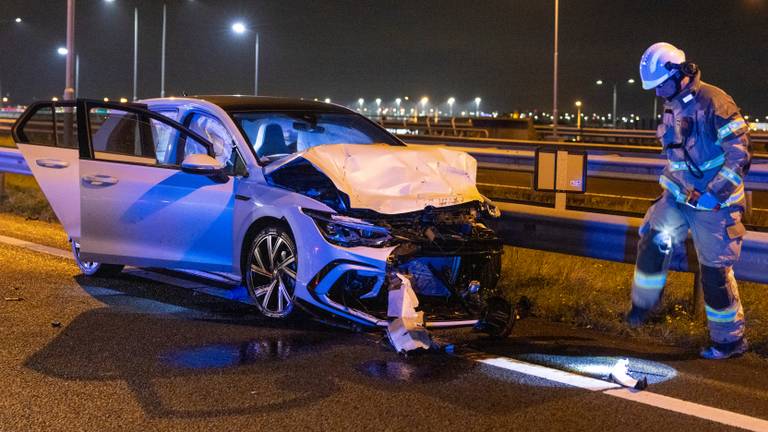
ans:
(706, 141)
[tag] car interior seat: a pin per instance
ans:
(270, 141)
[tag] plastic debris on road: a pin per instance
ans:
(620, 374)
(406, 331)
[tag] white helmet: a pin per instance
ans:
(653, 69)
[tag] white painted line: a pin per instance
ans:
(36, 247)
(550, 374)
(644, 397)
(692, 409)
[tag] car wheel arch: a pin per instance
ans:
(254, 229)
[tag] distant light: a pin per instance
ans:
(406, 98)
(106, 99)
(109, 1)
(478, 100)
(5, 99)
(599, 82)
(18, 19)
(398, 101)
(123, 100)
(62, 51)
(327, 100)
(424, 100)
(238, 27)
(578, 103)
(378, 101)
(361, 101)
(631, 80)
(451, 100)
(55, 99)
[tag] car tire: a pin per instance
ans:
(92, 268)
(270, 272)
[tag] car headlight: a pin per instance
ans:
(348, 231)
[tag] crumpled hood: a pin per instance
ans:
(391, 179)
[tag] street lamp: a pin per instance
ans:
(451, 101)
(18, 20)
(360, 103)
(398, 101)
(599, 82)
(477, 106)
(239, 29)
(578, 117)
(62, 51)
(378, 105)
(424, 101)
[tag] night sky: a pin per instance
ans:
(345, 49)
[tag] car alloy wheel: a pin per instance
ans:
(271, 272)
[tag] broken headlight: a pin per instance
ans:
(347, 231)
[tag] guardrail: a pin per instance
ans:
(12, 162)
(611, 161)
(604, 135)
(609, 237)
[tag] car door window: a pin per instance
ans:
(133, 136)
(214, 130)
(49, 124)
(165, 137)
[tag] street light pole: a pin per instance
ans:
(615, 97)
(77, 75)
(256, 68)
(162, 56)
(135, 51)
(69, 86)
(554, 80)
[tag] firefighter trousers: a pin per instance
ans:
(717, 237)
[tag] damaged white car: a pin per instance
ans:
(313, 206)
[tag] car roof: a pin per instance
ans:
(238, 103)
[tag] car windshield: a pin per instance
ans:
(276, 134)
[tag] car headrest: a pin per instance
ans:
(270, 140)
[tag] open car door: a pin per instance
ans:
(46, 135)
(139, 206)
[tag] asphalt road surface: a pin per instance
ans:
(136, 354)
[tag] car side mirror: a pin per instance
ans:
(201, 164)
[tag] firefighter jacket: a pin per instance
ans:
(706, 141)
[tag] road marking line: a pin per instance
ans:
(656, 400)
(705, 412)
(550, 374)
(692, 409)
(36, 247)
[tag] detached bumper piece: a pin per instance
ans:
(406, 331)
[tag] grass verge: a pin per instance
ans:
(595, 294)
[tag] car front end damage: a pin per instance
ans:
(442, 270)
(438, 260)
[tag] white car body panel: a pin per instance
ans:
(56, 170)
(155, 216)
